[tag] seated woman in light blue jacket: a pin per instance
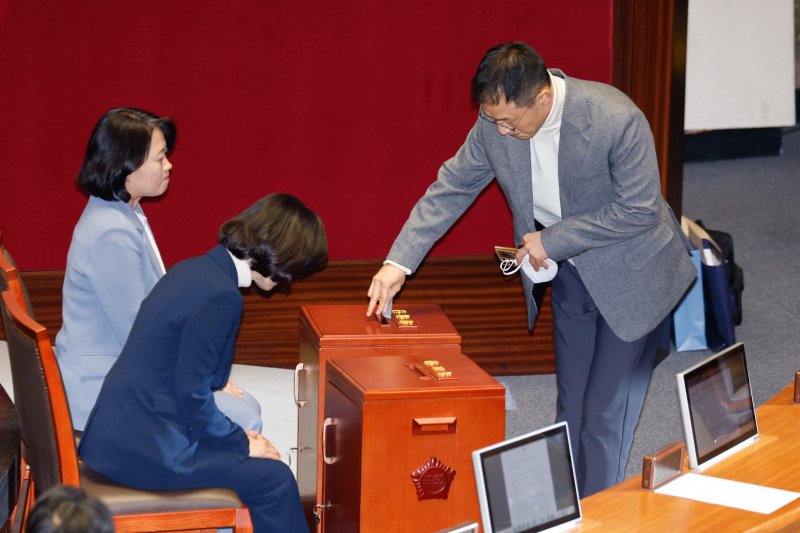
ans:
(113, 261)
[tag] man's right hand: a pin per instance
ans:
(532, 247)
(385, 284)
(261, 447)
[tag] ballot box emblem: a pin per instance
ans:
(432, 480)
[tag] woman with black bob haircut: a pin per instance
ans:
(118, 146)
(113, 260)
(155, 424)
(268, 235)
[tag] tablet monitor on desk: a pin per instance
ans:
(528, 483)
(717, 409)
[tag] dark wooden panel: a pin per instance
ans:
(486, 308)
(649, 65)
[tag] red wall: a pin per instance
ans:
(350, 105)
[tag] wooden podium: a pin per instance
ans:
(343, 331)
(397, 441)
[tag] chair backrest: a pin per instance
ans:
(7, 268)
(10, 279)
(40, 399)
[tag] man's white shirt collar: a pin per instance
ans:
(554, 117)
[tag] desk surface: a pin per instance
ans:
(772, 462)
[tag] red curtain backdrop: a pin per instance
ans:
(351, 106)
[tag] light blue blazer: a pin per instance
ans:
(111, 267)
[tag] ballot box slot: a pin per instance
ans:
(431, 369)
(418, 370)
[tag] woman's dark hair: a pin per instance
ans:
(282, 237)
(67, 509)
(118, 146)
(511, 71)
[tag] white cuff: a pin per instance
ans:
(398, 265)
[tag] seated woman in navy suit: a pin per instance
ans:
(113, 261)
(155, 424)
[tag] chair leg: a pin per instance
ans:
(20, 514)
(244, 524)
(24, 505)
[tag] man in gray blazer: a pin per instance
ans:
(576, 162)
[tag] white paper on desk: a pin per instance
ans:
(708, 489)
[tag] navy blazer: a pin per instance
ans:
(156, 413)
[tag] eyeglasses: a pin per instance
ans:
(512, 129)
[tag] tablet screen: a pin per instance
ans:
(717, 405)
(527, 483)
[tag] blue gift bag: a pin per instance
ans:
(715, 285)
(689, 317)
(719, 303)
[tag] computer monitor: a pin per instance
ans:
(528, 483)
(716, 402)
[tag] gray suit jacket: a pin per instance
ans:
(111, 267)
(616, 227)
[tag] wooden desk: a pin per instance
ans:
(772, 461)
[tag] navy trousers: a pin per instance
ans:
(266, 486)
(601, 381)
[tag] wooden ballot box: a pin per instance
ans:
(397, 441)
(341, 331)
